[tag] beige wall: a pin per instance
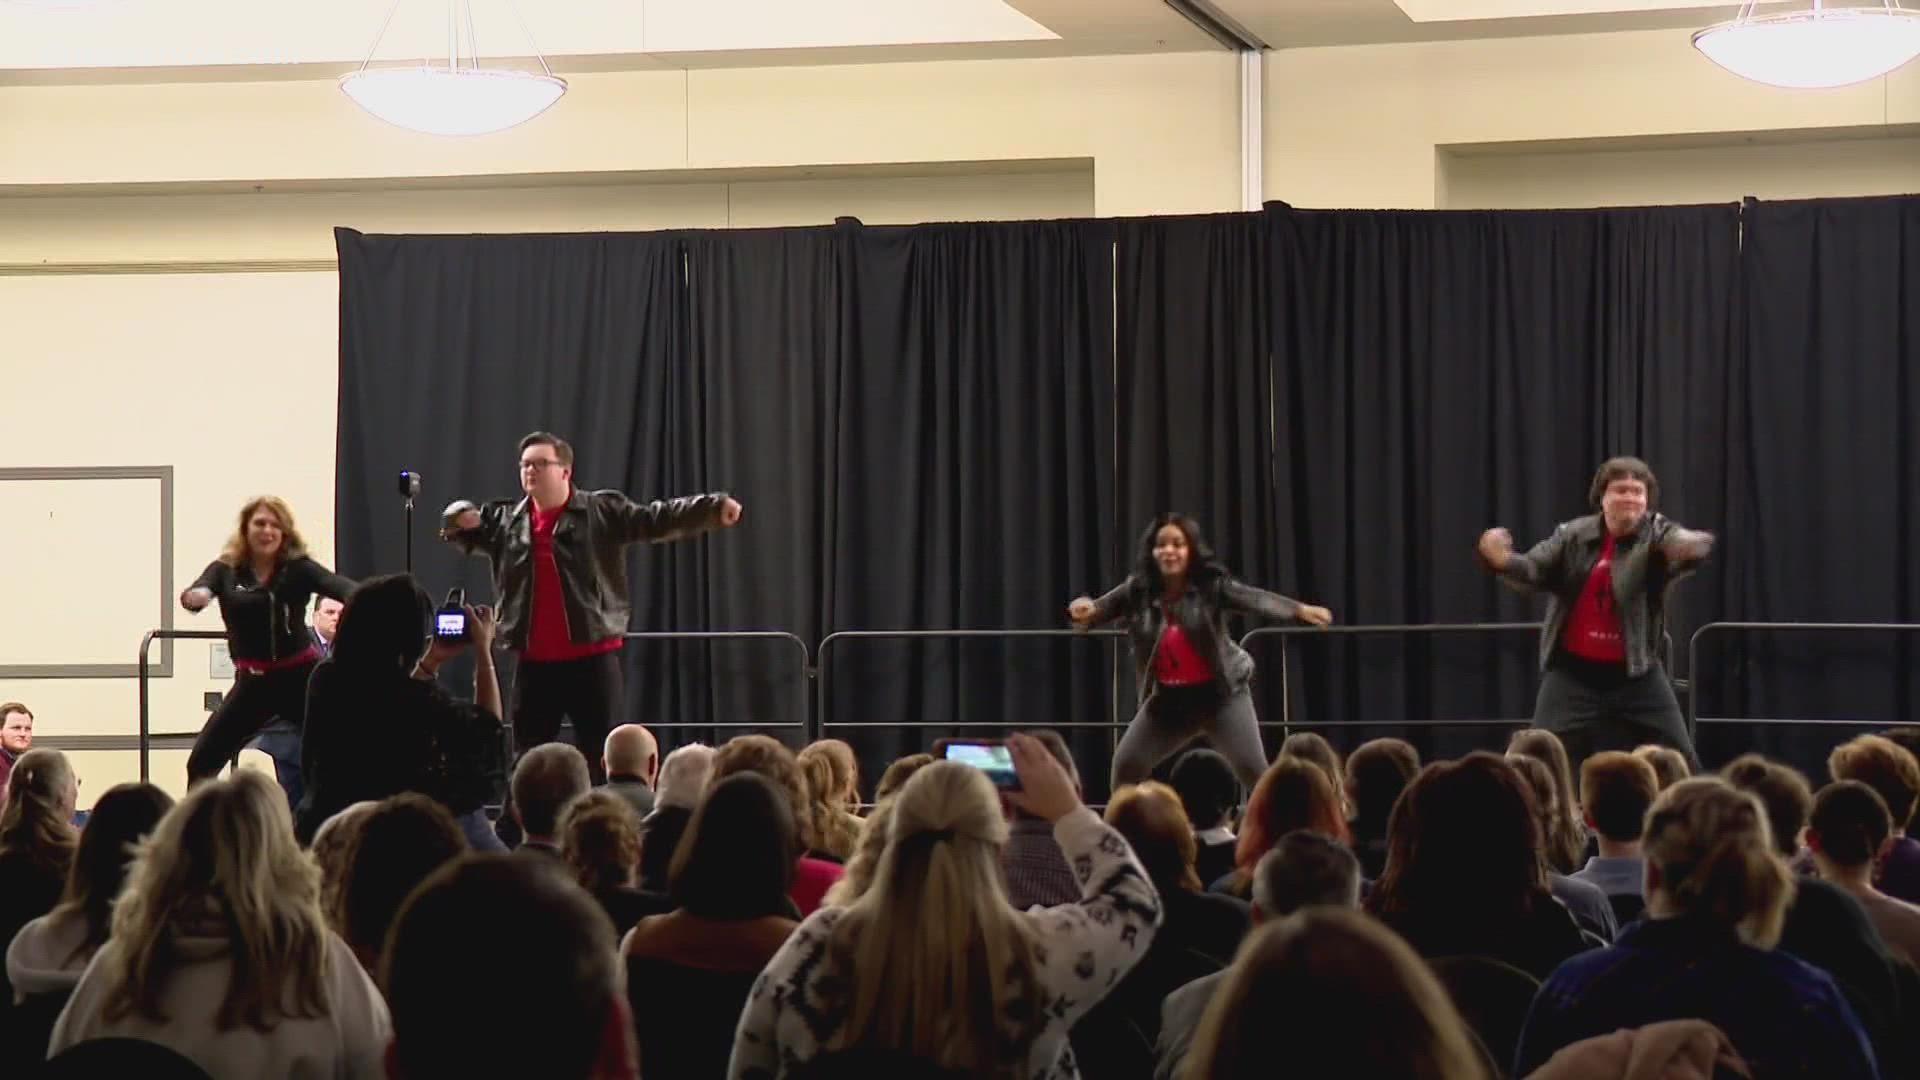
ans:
(1366, 126)
(1162, 130)
(123, 365)
(1794, 169)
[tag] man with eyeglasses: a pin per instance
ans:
(560, 580)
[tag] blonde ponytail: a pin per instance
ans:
(1713, 851)
(934, 960)
(39, 810)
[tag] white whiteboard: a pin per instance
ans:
(82, 561)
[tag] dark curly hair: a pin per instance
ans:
(1204, 568)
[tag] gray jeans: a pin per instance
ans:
(1173, 717)
(1595, 707)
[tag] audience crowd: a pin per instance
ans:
(740, 912)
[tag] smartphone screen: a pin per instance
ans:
(992, 758)
(450, 624)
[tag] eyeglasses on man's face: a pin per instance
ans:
(539, 464)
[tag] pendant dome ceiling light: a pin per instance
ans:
(459, 97)
(1816, 47)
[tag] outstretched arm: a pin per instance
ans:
(1535, 570)
(1236, 595)
(666, 519)
(205, 588)
(473, 528)
(1115, 603)
(1683, 549)
(327, 583)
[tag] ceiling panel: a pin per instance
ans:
(1297, 23)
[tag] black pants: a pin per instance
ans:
(256, 698)
(1595, 707)
(1176, 715)
(591, 692)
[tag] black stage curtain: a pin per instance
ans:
(1827, 473)
(972, 482)
(1196, 401)
(452, 347)
(1439, 373)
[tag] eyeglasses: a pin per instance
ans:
(539, 464)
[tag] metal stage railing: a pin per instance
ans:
(800, 725)
(821, 717)
(1286, 695)
(143, 674)
(1694, 719)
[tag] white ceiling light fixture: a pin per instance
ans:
(459, 96)
(1814, 48)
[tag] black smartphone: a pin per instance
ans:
(450, 622)
(990, 756)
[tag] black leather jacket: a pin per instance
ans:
(268, 623)
(1202, 615)
(1560, 565)
(589, 549)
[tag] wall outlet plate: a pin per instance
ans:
(211, 700)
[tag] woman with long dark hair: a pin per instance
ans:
(264, 581)
(1193, 677)
(378, 724)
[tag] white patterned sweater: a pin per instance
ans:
(1084, 949)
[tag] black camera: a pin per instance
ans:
(450, 622)
(409, 484)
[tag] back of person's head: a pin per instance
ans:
(770, 757)
(1566, 834)
(1378, 770)
(1849, 823)
(1906, 738)
(684, 775)
(223, 863)
(600, 839)
(1710, 855)
(396, 846)
(1315, 748)
(735, 861)
(828, 786)
(384, 625)
(1151, 818)
(1782, 792)
(934, 928)
(513, 923)
(898, 773)
(121, 818)
(841, 766)
(1886, 767)
(38, 818)
(1669, 765)
(1305, 869)
(1616, 790)
(1344, 996)
(548, 777)
(1464, 841)
(1539, 780)
(332, 843)
(629, 750)
(1293, 793)
(1208, 789)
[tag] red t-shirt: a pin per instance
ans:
(1176, 662)
(1593, 627)
(548, 638)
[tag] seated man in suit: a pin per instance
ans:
(1303, 870)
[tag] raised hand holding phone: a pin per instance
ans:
(1046, 791)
